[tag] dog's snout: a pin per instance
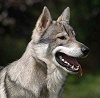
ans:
(85, 50)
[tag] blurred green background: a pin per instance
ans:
(18, 18)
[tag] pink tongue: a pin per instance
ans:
(73, 61)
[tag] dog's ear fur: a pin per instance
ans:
(42, 24)
(65, 16)
(44, 20)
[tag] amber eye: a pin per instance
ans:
(62, 37)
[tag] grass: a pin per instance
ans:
(87, 86)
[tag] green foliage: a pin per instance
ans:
(13, 49)
(85, 87)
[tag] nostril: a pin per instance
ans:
(85, 50)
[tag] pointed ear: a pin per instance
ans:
(44, 20)
(65, 16)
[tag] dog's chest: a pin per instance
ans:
(14, 90)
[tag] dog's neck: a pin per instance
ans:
(48, 74)
(55, 80)
(55, 75)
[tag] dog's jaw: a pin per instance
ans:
(62, 57)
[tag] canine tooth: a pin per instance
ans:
(76, 68)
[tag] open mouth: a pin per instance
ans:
(70, 63)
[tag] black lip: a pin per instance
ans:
(68, 67)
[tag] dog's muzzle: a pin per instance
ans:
(67, 58)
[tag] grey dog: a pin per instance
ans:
(49, 57)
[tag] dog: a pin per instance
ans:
(49, 57)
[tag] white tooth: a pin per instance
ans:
(69, 64)
(66, 62)
(76, 68)
(63, 60)
(72, 67)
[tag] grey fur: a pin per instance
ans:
(35, 74)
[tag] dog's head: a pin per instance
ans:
(55, 42)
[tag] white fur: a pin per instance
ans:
(41, 50)
(73, 51)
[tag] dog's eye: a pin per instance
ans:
(62, 37)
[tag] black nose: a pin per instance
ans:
(85, 50)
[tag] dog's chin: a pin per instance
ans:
(68, 63)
